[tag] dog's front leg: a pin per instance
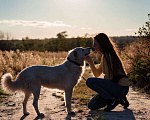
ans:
(68, 96)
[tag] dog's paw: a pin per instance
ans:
(26, 113)
(72, 112)
(41, 114)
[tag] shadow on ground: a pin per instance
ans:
(127, 114)
(37, 118)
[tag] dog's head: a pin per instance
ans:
(78, 55)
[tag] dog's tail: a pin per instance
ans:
(8, 85)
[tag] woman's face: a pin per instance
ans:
(96, 46)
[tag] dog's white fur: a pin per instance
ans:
(63, 77)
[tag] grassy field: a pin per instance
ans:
(135, 58)
(14, 62)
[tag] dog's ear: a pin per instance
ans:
(75, 54)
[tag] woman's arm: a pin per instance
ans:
(96, 71)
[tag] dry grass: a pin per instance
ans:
(14, 62)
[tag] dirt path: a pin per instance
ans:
(51, 105)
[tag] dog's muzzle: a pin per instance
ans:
(89, 51)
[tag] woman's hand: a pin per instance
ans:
(88, 59)
(96, 71)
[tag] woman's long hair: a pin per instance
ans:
(106, 45)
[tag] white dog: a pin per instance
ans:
(63, 77)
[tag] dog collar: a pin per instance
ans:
(73, 61)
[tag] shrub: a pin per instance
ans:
(136, 58)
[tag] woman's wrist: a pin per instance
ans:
(90, 62)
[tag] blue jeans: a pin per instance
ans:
(106, 90)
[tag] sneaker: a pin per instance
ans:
(112, 105)
(124, 102)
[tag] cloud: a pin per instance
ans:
(34, 23)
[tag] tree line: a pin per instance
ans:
(56, 44)
(53, 45)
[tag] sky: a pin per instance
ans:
(45, 18)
